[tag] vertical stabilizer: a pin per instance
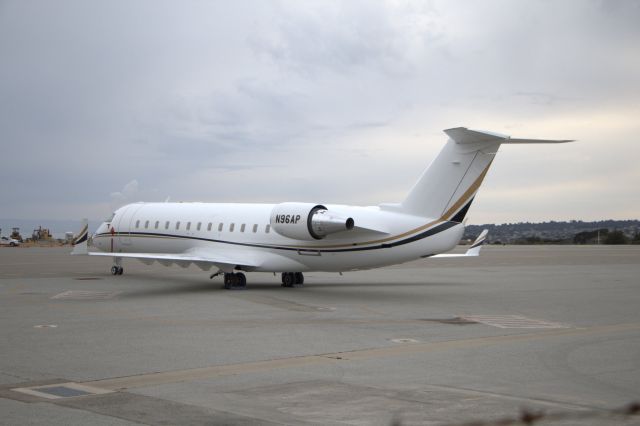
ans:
(447, 187)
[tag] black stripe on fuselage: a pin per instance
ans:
(433, 231)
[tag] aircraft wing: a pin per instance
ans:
(203, 259)
(473, 251)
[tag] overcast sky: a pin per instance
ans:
(104, 103)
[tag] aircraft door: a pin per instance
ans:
(125, 224)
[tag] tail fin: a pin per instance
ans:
(447, 187)
(80, 241)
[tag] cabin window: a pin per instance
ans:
(137, 224)
(157, 224)
(177, 225)
(166, 225)
(255, 228)
(146, 225)
(267, 229)
(209, 226)
(220, 227)
(242, 227)
(188, 226)
(233, 225)
(199, 225)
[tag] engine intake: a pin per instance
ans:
(307, 221)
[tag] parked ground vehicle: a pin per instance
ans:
(6, 241)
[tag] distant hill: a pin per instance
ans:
(572, 232)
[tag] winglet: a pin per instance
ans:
(472, 252)
(80, 240)
(477, 244)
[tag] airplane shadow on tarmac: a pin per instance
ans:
(176, 285)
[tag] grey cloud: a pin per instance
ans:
(347, 37)
(223, 101)
(128, 194)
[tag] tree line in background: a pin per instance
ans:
(571, 232)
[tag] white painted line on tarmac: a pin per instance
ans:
(513, 321)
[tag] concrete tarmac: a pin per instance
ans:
(553, 330)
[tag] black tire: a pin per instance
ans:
(120, 270)
(12, 244)
(114, 270)
(299, 278)
(241, 280)
(288, 279)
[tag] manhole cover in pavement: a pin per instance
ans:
(61, 390)
(513, 321)
(84, 295)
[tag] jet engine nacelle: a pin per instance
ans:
(307, 221)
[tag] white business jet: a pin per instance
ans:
(296, 237)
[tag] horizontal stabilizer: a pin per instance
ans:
(462, 135)
(516, 141)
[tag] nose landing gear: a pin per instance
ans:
(117, 270)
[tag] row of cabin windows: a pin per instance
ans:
(167, 225)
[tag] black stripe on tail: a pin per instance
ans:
(459, 217)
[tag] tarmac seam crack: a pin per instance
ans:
(543, 401)
(175, 376)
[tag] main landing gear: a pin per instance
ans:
(238, 281)
(292, 279)
(117, 270)
(235, 281)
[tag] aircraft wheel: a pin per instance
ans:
(241, 280)
(114, 270)
(235, 281)
(120, 270)
(288, 279)
(299, 278)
